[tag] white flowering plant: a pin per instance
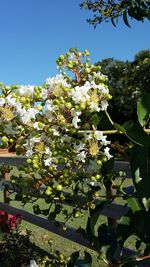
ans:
(47, 124)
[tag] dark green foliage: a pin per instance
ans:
(111, 10)
(126, 81)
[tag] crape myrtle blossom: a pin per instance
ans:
(27, 90)
(100, 137)
(48, 161)
(106, 151)
(58, 79)
(104, 105)
(98, 75)
(80, 93)
(28, 114)
(81, 156)
(11, 101)
(50, 106)
(75, 114)
(94, 107)
(2, 102)
(47, 124)
(30, 144)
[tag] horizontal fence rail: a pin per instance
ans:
(70, 233)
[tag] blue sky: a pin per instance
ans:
(33, 33)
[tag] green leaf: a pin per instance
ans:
(125, 228)
(125, 18)
(134, 204)
(77, 262)
(140, 169)
(143, 109)
(146, 203)
(113, 23)
(136, 133)
(119, 128)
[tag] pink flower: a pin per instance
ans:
(9, 221)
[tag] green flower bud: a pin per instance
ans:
(4, 139)
(68, 105)
(29, 161)
(87, 70)
(62, 57)
(71, 50)
(59, 187)
(39, 107)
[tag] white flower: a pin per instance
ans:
(29, 152)
(33, 263)
(27, 90)
(100, 137)
(55, 131)
(2, 102)
(48, 161)
(11, 101)
(87, 136)
(58, 79)
(47, 151)
(101, 87)
(75, 122)
(50, 106)
(80, 93)
(75, 119)
(27, 115)
(79, 147)
(104, 104)
(81, 156)
(44, 93)
(19, 108)
(106, 151)
(94, 106)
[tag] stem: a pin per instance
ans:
(109, 117)
(108, 131)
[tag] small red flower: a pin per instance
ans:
(9, 221)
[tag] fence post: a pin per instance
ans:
(6, 193)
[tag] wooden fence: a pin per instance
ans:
(114, 211)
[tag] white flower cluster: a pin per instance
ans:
(44, 123)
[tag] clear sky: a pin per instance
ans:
(33, 33)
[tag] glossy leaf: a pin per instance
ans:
(140, 169)
(143, 109)
(125, 18)
(134, 132)
(134, 204)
